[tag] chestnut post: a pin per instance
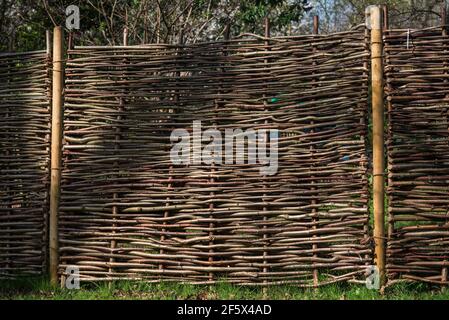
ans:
(56, 142)
(377, 87)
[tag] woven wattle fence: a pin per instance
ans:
(128, 212)
(417, 77)
(24, 162)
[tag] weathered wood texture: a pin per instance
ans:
(417, 90)
(24, 162)
(127, 212)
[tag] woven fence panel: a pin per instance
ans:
(128, 212)
(418, 154)
(24, 162)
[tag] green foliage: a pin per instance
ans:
(23, 22)
(102, 22)
(282, 13)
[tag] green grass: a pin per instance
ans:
(41, 289)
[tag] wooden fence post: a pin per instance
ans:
(56, 142)
(377, 87)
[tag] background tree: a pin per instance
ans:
(338, 15)
(23, 22)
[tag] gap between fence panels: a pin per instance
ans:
(197, 243)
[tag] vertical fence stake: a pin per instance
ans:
(48, 41)
(117, 137)
(444, 270)
(378, 136)
(265, 104)
(391, 225)
(386, 19)
(316, 26)
(56, 142)
(49, 62)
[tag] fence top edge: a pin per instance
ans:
(412, 30)
(246, 37)
(10, 54)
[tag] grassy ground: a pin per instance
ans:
(41, 289)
